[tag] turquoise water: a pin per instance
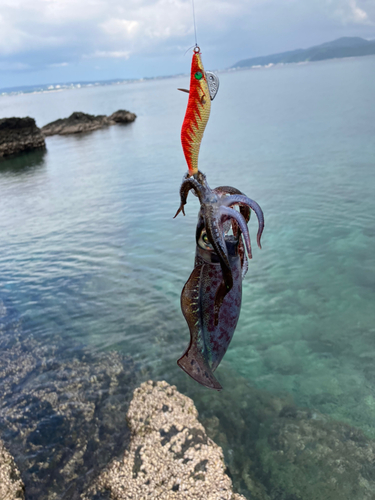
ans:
(89, 249)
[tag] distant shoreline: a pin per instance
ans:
(40, 89)
(340, 48)
(59, 87)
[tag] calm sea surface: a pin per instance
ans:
(89, 249)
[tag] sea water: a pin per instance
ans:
(89, 249)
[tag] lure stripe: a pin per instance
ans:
(197, 114)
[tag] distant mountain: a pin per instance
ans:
(342, 47)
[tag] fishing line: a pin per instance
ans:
(195, 25)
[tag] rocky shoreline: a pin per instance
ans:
(81, 426)
(11, 484)
(78, 122)
(19, 135)
(170, 456)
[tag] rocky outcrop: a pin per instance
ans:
(170, 456)
(11, 485)
(63, 414)
(62, 409)
(121, 116)
(18, 135)
(82, 122)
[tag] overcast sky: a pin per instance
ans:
(51, 41)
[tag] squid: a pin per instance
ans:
(211, 298)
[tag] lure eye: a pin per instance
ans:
(198, 75)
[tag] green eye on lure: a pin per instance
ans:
(211, 298)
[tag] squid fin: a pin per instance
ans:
(193, 361)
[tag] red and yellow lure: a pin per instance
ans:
(203, 88)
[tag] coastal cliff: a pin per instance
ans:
(19, 135)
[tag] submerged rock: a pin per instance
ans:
(169, 457)
(309, 457)
(62, 409)
(63, 417)
(18, 135)
(11, 485)
(79, 122)
(275, 450)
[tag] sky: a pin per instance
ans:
(57, 41)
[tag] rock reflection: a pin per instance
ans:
(23, 163)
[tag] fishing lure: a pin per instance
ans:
(211, 298)
(203, 89)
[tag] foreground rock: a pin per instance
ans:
(170, 456)
(82, 122)
(11, 485)
(62, 409)
(18, 135)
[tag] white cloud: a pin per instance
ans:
(114, 54)
(123, 28)
(58, 65)
(349, 11)
(45, 32)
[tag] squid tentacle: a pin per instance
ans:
(230, 212)
(189, 183)
(242, 199)
(242, 254)
(245, 210)
(217, 241)
(216, 238)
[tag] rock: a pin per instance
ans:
(11, 485)
(18, 135)
(62, 409)
(307, 456)
(169, 457)
(82, 122)
(122, 116)
(275, 450)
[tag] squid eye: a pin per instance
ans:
(204, 242)
(198, 75)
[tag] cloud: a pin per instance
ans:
(114, 54)
(58, 65)
(123, 28)
(52, 33)
(13, 66)
(349, 12)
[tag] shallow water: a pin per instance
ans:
(89, 249)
